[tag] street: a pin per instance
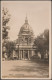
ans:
(24, 69)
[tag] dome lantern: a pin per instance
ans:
(26, 20)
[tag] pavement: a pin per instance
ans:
(24, 69)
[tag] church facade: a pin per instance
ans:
(25, 42)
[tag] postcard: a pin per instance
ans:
(26, 39)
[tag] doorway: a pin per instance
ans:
(26, 54)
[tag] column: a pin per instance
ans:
(28, 55)
(19, 54)
(32, 53)
(23, 54)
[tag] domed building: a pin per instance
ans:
(26, 36)
(25, 41)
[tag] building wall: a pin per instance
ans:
(26, 38)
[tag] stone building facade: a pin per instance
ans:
(25, 42)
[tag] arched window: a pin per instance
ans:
(26, 40)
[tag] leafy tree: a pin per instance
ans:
(5, 28)
(5, 20)
(46, 35)
(10, 46)
(42, 43)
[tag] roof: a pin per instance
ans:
(26, 28)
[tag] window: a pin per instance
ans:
(26, 40)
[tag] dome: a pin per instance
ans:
(26, 29)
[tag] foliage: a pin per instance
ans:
(42, 42)
(6, 17)
(10, 46)
(5, 20)
(5, 28)
(46, 35)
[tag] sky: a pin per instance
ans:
(38, 14)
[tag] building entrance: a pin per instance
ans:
(26, 54)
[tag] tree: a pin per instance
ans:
(10, 46)
(42, 43)
(5, 20)
(46, 35)
(5, 28)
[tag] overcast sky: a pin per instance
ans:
(38, 14)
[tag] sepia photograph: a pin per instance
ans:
(26, 39)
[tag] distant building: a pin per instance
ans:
(25, 42)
